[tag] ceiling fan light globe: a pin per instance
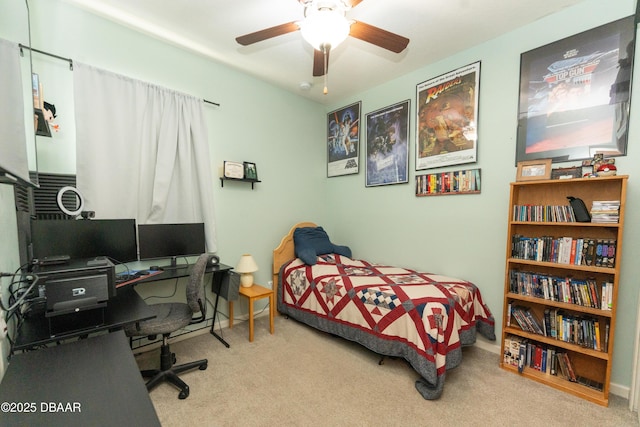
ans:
(325, 27)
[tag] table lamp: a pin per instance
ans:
(246, 267)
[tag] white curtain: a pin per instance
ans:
(142, 151)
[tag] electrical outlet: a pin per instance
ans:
(270, 284)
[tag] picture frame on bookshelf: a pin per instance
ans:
(575, 95)
(534, 170)
(567, 173)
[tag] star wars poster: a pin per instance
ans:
(574, 95)
(388, 145)
(446, 128)
(343, 140)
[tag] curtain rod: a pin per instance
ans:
(46, 53)
(70, 61)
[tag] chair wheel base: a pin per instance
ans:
(184, 393)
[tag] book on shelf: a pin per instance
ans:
(589, 383)
(512, 350)
(570, 369)
(527, 320)
(551, 355)
(522, 355)
(606, 300)
(605, 211)
(567, 370)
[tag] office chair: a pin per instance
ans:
(171, 317)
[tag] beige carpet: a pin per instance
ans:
(301, 377)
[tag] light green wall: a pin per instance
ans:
(465, 235)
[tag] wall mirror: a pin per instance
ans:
(18, 152)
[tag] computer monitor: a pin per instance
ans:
(157, 241)
(86, 238)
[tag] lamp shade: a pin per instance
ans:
(325, 27)
(246, 266)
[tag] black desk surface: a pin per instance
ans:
(176, 273)
(127, 307)
(88, 382)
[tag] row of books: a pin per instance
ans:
(520, 352)
(584, 331)
(570, 290)
(565, 250)
(605, 211)
(448, 182)
(543, 213)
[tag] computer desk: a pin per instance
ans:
(125, 308)
(218, 273)
(94, 381)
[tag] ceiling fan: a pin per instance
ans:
(324, 26)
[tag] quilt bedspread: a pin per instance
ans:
(422, 317)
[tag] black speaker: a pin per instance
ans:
(230, 286)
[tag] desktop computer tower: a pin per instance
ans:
(76, 285)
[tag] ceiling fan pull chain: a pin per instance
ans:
(325, 49)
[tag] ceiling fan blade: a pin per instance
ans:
(318, 62)
(378, 37)
(267, 33)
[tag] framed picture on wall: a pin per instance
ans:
(250, 170)
(343, 140)
(574, 95)
(387, 156)
(446, 127)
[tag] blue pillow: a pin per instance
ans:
(313, 241)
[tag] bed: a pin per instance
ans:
(423, 318)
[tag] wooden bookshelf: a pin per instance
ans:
(587, 360)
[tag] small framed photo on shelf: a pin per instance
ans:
(534, 170)
(567, 173)
(233, 170)
(250, 171)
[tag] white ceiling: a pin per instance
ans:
(436, 28)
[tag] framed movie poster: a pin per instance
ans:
(446, 128)
(387, 159)
(574, 95)
(343, 140)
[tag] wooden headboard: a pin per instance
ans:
(285, 252)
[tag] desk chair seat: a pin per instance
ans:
(171, 317)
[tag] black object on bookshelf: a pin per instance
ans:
(580, 211)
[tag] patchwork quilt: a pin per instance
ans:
(422, 317)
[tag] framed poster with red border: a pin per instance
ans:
(447, 123)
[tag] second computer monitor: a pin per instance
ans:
(170, 241)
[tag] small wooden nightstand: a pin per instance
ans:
(253, 293)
